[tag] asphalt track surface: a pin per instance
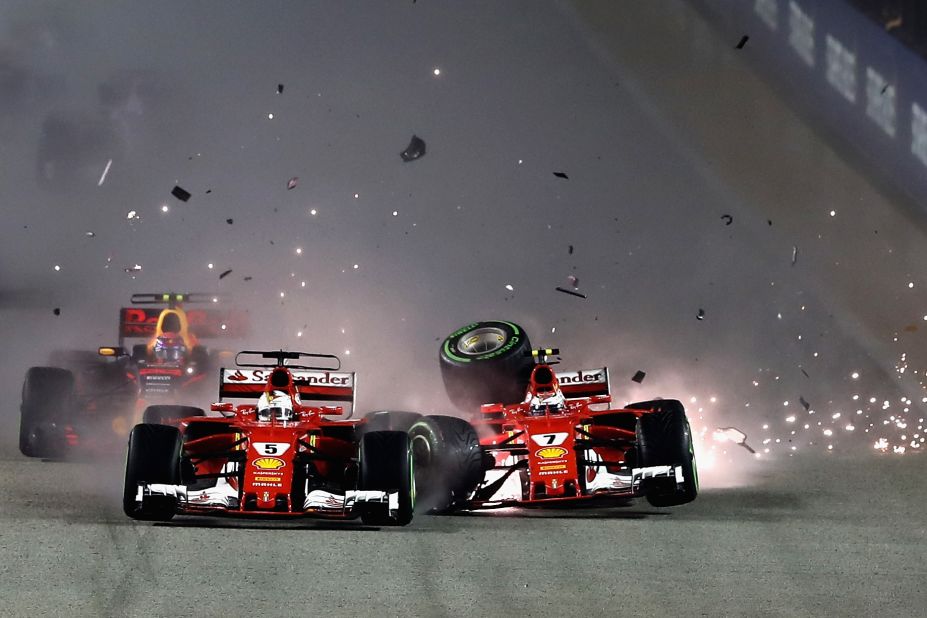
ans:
(822, 536)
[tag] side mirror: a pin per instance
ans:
(113, 351)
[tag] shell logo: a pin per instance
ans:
(269, 463)
(551, 452)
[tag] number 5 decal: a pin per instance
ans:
(271, 448)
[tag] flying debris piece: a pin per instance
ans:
(570, 250)
(89, 234)
(248, 278)
(804, 404)
(132, 269)
(415, 149)
(508, 286)
(794, 254)
(131, 214)
(208, 191)
(769, 221)
(732, 434)
(743, 41)
(574, 281)
(105, 172)
(180, 193)
(57, 310)
(230, 221)
(728, 219)
(570, 292)
(638, 376)
(805, 372)
(279, 88)
(561, 175)
(700, 315)
(225, 273)
(291, 183)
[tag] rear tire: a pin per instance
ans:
(448, 462)
(664, 438)
(486, 362)
(386, 465)
(48, 396)
(153, 457)
(162, 414)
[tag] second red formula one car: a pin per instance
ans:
(275, 457)
(561, 440)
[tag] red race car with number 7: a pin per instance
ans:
(276, 457)
(545, 437)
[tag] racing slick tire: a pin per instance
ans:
(162, 414)
(390, 420)
(486, 362)
(664, 438)
(48, 396)
(386, 465)
(448, 462)
(153, 457)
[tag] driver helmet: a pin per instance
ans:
(275, 405)
(169, 348)
(546, 403)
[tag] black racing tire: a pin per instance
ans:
(448, 462)
(386, 465)
(163, 414)
(48, 399)
(486, 362)
(390, 420)
(664, 438)
(153, 457)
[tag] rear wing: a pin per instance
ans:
(312, 385)
(584, 383)
(135, 322)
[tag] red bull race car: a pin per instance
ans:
(547, 437)
(86, 401)
(277, 455)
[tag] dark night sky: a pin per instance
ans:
(180, 93)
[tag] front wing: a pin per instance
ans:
(223, 500)
(510, 492)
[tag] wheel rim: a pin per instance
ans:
(481, 341)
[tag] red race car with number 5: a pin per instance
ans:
(277, 456)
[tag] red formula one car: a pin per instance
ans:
(86, 401)
(559, 440)
(274, 457)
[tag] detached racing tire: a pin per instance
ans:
(664, 438)
(448, 462)
(153, 457)
(386, 465)
(48, 396)
(390, 420)
(159, 415)
(486, 362)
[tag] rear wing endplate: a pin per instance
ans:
(312, 385)
(584, 383)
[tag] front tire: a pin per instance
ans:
(153, 457)
(48, 396)
(448, 461)
(486, 362)
(664, 438)
(386, 465)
